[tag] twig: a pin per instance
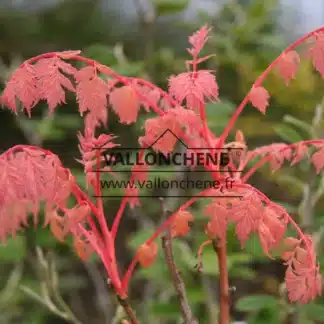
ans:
(220, 249)
(128, 309)
(177, 280)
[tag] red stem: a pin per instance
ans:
(159, 230)
(258, 82)
(268, 157)
(224, 309)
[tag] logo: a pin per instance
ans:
(159, 176)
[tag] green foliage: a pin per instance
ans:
(13, 250)
(167, 7)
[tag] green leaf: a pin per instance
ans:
(102, 53)
(130, 69)
(313, 311)
(168, 7)
(209, 261)
(253, 247)
(288, 133)
(68, 121)
(165, 310)
(13, 250)
(298, 123)
(256, 303)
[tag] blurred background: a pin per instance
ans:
(148, 39)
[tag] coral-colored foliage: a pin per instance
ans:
(288, 65)
(316, 53)
(147, 254)
(125, 103)
(29, 175)
(259, 98)
(180, 225)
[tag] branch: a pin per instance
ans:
(128, 309)
(220, 249)
(177, 280)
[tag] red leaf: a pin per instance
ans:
(259, 98)
(152, 95)
(198, 40)
(56, 226)
(288, 65)
(316, 53)
(318, 159)
(194, 86)
(82, 248)
(92, 94)
(125, 103)
(303, 278)
(217, 226)
(290, 242)
(147, 254)
(23, 85)
(271, 229)
(180, 226)
(246, 213)
(51, 81)
(65, 55)
(300, 151)
(27, 178)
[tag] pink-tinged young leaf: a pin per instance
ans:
(288, 65)
(291, 242)
(82, 248)
(300, 151)
(92, 94)
(147, 254)
(217, 226)
(51, 81)
(198, 85)
(259, 97)
(247, 214)
(316, 53)
(23, 85)
(180, 224)
(318, 159)
(125, 103)
(198, 40)
(65, 55)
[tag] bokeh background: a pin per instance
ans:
(148, 39)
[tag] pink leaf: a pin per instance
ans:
(92, 94)
(316, 53)
(23, 85)
(318, 159)
(198, 40)
(125, 103)
(300, 151)
(259, 98)
(217, 226)
(147, 254)
(51, 81)
(288, 65)
(65, 55)
(194, 86)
